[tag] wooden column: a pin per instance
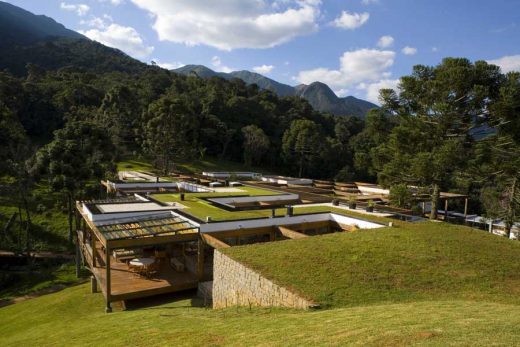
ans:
(200, 259)
(93, 284)
(78, 256)
(77, 224)
(465, 208)
(93, 246)
(446, 209)
(108, 308)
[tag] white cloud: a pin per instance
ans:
(409, 50)
(96, 22)
(80, 9)
(113, 2)
(169, 66)
(369, 2)
(507, 63)
(351, 21)
(218, 66)
(231, 24)
(263, 69)
(372, 89)
(435, 49)
(124, 38)
(385, 41)
(359, 66)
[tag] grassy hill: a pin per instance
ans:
(423, 284)
(73, 317)
(413, 262)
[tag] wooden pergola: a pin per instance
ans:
(446, 197)
(97, 241)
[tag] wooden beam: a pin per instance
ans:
(107, 281)
(465, 208)
(153, 240)
(446, 209)
(213, 241)
(93, 247)
(292, 234)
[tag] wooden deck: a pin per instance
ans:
(126, 285)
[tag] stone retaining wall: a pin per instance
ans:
(237, 285)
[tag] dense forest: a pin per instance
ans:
(453, 127)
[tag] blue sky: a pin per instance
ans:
(355, 46)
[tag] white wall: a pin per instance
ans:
(194, 188)
(143, 185)
(286, 180)
(267, 222)
(225, 175)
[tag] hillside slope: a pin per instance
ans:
(37, 39)
(21, 27)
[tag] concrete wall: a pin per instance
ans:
(237, 285)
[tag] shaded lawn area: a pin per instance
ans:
(75, 317)
(190, 166)
(415, 261)
(14, 284)
(134, 165)
(215, 164)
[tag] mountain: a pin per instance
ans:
(199, 70)
(21, 27)
(263, 82)
(246, 76)
(37, 39)
(318, 94)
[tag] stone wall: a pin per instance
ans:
(237, 285)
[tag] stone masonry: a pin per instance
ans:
(237, 285)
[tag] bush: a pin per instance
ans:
(400, 196)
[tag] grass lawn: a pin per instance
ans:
(414, 261)
(75, 317)
(201, 208)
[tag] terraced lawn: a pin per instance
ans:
(200, 208)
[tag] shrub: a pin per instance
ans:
(400, 195)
